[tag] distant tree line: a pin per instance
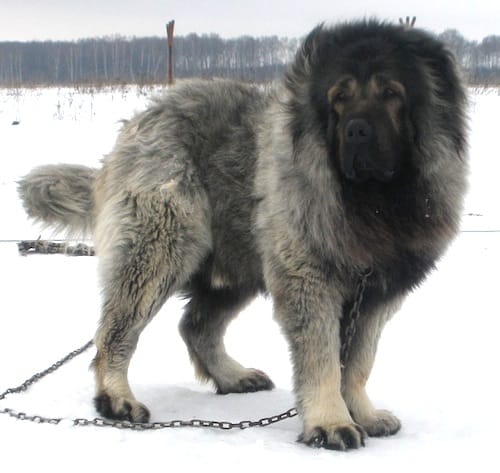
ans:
(479, 60)
(144, 60)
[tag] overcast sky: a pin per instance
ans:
(72, 19)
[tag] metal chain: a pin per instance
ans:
(350, 332)
(123, 424)
(223, 425)
(34, 379)
(354, 314)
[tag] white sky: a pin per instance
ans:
(71, 19)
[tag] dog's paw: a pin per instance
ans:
(380, 424)
(120, 408)
(337, 437)
(250, 381)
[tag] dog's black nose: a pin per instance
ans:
(357, 131)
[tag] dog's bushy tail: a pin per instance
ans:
(60, 196)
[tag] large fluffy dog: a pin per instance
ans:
(219, 190)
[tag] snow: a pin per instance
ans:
(436, 368)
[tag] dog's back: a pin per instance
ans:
(204, 127)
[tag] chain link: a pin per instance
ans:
(350, 332)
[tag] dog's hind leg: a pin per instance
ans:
(203, 326)
(149, 244)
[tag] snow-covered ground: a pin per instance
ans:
(437, 367)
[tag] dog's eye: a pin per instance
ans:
(389, 93)
(340, 97)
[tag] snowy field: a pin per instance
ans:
(437, 367)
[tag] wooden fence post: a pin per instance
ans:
(170, 40)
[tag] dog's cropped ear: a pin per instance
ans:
(310, 45)
(297, 75)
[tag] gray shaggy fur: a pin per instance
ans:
(60, 196)
(220, 190)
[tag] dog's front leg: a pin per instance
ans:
(305, 306)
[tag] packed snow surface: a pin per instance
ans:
(437, 366)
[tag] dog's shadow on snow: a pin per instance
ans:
(194, 402)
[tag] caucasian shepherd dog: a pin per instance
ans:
(354, 164)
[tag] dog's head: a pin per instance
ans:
(377, 93)
(367, 126)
